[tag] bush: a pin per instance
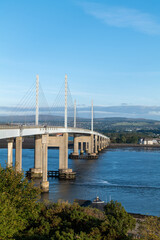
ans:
(150, 228)
(11, 221)
(18, 206)
(119, 220)
(22, 217)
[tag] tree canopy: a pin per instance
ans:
(23, 217)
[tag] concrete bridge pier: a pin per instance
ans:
(92, 149)
(75, 149)
(99, 144)
(102, 146)
(64, 171)
(36, 172)
(81, 152)
(45, 183)
(86, 147)
(89, 147)
(10, 152)
(62, 143)
(96, 151)
(103, 143)
(63, 156)
(92, 144)
(18, 162)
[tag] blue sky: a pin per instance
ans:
(110, 50)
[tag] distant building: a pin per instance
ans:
(148, 141)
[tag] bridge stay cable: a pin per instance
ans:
(19, 112)
(25, 111)
(58, 108)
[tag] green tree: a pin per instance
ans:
(18, 196)
(11, 221)
(22, 217)
(119, 220)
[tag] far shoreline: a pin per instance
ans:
(28, 143)
(128, 145)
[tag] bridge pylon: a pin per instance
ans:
(66, 91)
(75, 114)
(92, 117)
(37, 100)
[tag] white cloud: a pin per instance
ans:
(157, 113)
(123, 17)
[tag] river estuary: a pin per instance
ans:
(130, 176)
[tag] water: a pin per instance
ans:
(130, 176)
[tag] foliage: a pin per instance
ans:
(18, 204)
(66, 221)
(119, 220)
(11, 221)
(126, 137)
(22, 217)
(150, 228)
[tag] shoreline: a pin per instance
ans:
(127, 145)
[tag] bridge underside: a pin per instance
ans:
(90, 144)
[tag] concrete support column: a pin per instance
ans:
(18, 162)
(45, 183)
(99, 143)
(10, 152)
(96, 144)
(104, 143)
(90, 146)
(63, 157)
(82, 148)
(36, 172)
(63, 153)
(75, 147)
(86, 147)
(92, 143)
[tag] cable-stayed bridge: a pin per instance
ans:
(23, 125)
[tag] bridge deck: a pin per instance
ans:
(12, 131)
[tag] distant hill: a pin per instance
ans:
(116, 124)
(141, 112)
(106, 119)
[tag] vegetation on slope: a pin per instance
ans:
(23, 217)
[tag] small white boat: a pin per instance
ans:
(97, 200)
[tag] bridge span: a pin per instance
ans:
(9, 131)
(49, 136)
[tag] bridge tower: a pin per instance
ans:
(92, 118)
(74, 113)
(66, 89)
(37, 101)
